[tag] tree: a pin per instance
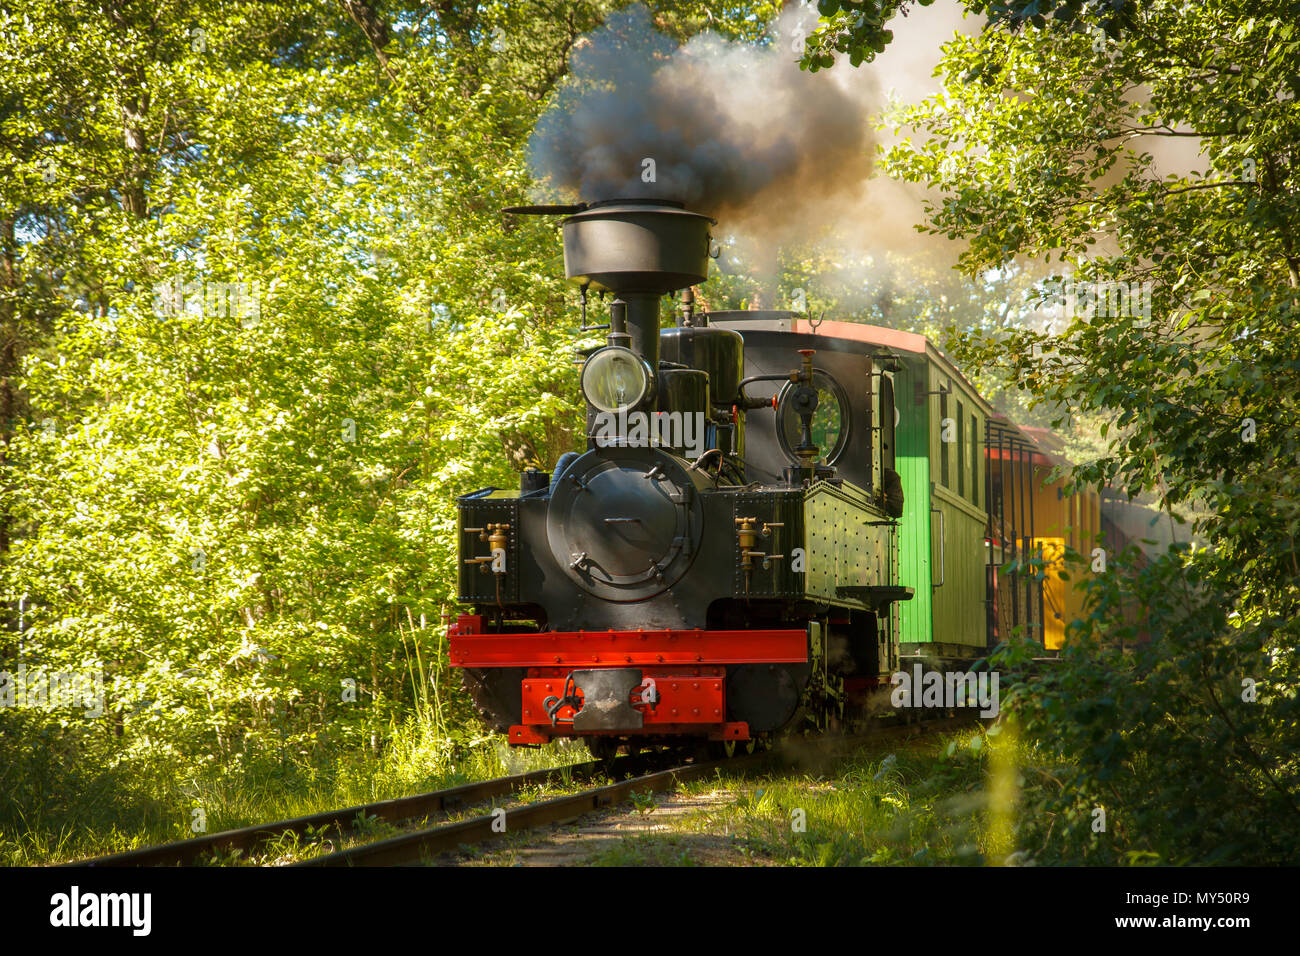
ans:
(860, 28)
(1184, 288)
(264, 323)
(1178, 297)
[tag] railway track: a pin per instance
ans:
(411, 848)
(194, 850)
(419, 845)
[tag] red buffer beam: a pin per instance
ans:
(469, 646)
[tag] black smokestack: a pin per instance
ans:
(732, 130)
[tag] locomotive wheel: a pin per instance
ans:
(496, 693)
(766, 696)
(742, 747)
(602, 748)
(731, 748)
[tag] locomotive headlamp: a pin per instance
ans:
(615, 378)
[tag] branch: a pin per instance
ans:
(374, 30)
(1166, 131)
(1214, 185)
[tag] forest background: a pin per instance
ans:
(261, 321)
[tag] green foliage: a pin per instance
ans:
(859, 28)
(855, 28)
(69, 796)
(920, 805)
(647, 850)
(1041, 149)
(1030, 145)
(241, 513)
(1172, 714)
(232, 514)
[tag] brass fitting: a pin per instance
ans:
(497, 539)
(746, 533)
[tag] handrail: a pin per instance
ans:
(942, 546)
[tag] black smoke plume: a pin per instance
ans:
(735, 131)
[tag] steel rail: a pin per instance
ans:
(187, 852)
(193, 850)
(409, 848)
(412, 848)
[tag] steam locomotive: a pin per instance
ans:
(721, 562)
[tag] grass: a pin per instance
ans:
(291, 847)
(650, 850)
(934, 801)
(57, 810)
(940, 800)
(66, 795)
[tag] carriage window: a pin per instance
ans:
(961, 451)
(943, 445)
(974, 462)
